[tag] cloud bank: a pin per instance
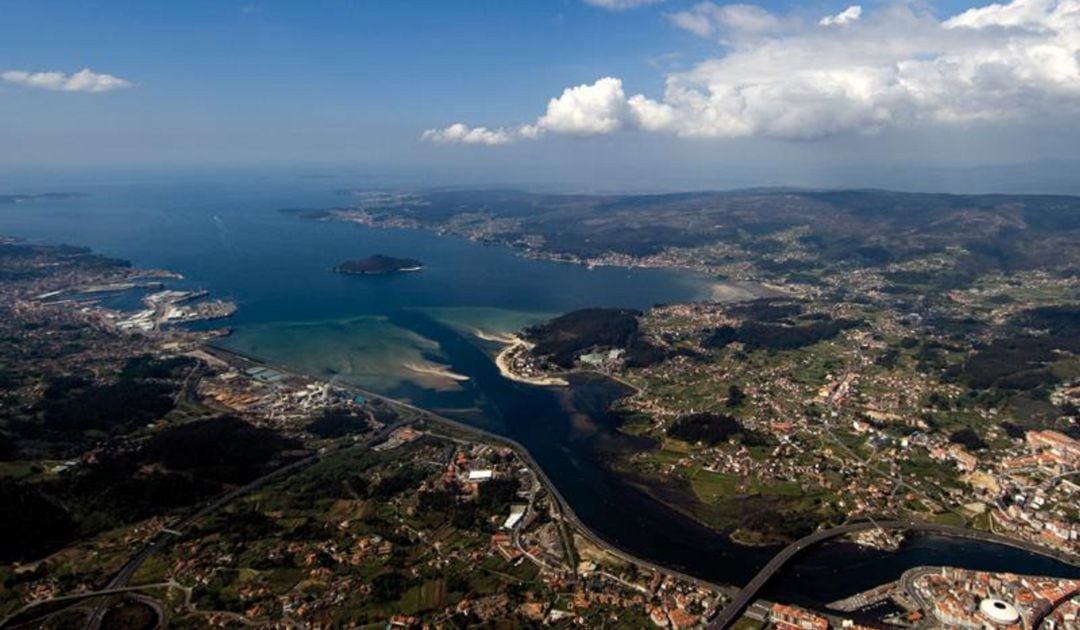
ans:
(785, 77)
(85, 80)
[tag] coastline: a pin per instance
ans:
(726, 592)
(721, 289)
(502, 361)
(507, 353)
(229, 355)
(217, 351)
(512, 344)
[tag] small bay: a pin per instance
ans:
(418, 336)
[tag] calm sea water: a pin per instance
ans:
(413, 336)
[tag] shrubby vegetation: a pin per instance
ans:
(73, 404)
(1021, 360)
(1014, 430)
(405, 479)
(8, 447)
(1060, 323)
(1017, 363)
(562, 339)
(225, 449)
(770, 336)
(497, 494)
(147, 366)
(31, 524)
(334, 423)
(968, 438)
(377, 265)
(782, 525)
(178, 467)
(641, 353)
(715, 428)
(767, 309)
(18, 260)
(387, 587)
(735, 396)
(843, 229)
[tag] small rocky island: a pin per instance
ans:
(378, 265)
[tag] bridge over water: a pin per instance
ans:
(749, 593)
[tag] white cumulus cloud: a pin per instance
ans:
(620, 5)
(847, 16)
(464, 134)
(584, 110)
(85, 80)
(587, 110)
(784, 77)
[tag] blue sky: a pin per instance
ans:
(358, 83)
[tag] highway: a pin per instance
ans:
(125, 574)
(77, 597)
(232, 357)
(723, 620)
(564, 507)
(731, 613)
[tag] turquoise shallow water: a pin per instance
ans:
(226, 236)
(414, 336)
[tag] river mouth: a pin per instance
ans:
(573, 435)
(229, 239)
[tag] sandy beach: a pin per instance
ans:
(513, 343)
(502, 338)
(442, 371)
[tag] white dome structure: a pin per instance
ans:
(999, 612)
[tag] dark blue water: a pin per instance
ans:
(228, 238)
(225, 235)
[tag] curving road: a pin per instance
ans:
(122, 577)
(726, 617)
(733, 610)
